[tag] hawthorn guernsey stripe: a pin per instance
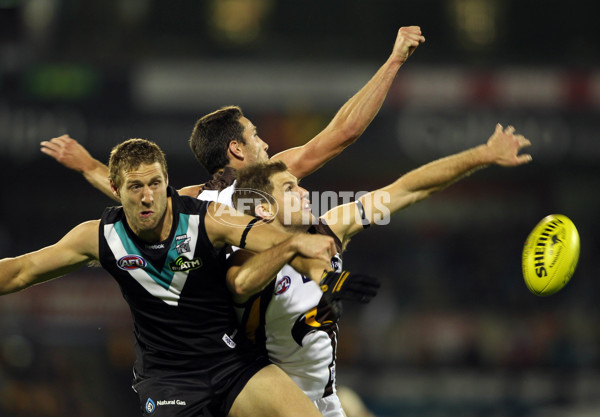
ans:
(164, 284)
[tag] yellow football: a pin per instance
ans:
(550, 254)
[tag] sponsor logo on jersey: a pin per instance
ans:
(229, 340)
(282, 285)
(129, 262)
(170, 402)
(150, 406)
(183, 264)
(156, 246)
(184, 245)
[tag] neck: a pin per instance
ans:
(163, 228)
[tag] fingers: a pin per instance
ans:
(412, 32)
(523, 141)
(55, 144)
(507, 145)
(524, 158)
(408, 39)
(509, 130)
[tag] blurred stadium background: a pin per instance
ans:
(454, 331)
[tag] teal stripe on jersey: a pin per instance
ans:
(165, 276)
(162, 278)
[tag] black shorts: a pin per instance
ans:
(196, 393)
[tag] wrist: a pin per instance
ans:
(484, 154)
(394, 62)
(90, 166)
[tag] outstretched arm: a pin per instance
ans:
(226, 226)
(73, 155)
(249, 273)
(70, 153)
(75, 249)
(356, 114)
(502, 148)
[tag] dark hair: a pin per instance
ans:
(212, 134)
(254, 185)
(130, 154)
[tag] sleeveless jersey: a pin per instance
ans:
(182, 310)
(220, 188)
(288, 319)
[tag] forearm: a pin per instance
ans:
(312, 268)
(420, 183)
(358, 112)
(259, 269)
(345, 128)
(96, 173)
(441, 173)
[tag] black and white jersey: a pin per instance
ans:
(176, 290)
(285, 320)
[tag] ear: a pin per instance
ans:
(114, 190)
(236, 149)
(264, 211)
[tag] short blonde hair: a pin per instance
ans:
(130, 154)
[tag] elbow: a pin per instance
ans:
(14, 285)
(240, 291)
(240, 288)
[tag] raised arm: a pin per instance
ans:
(75, 249)
(502, 148)
(70, 153)
(356, 114)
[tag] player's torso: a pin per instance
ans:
(175, 289)
(295, 340)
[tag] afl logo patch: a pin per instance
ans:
(129, 262)
(282, 285)
(336, 263)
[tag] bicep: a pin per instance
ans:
(74, 250)
(225, 225)
(306, 159)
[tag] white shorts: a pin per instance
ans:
(330, 406)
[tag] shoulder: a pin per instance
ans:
(191, 190)
(191, 205)
(111, 214)
(82, 239)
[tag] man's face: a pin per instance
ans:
(294, 204)
(144, 197)
(255, 150)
